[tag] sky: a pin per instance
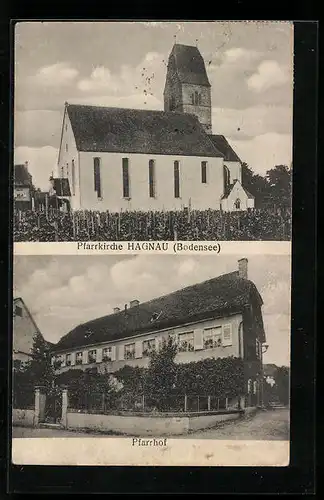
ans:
(64, 291)
(249, 65)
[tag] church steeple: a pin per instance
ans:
(187, 88)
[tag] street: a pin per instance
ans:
(265, 425)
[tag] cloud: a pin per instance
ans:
(265, 151)
(269, 74)
(240, 55)
(41, 163)
(145, 77)
(56, 74)
(248, 123)
(36, 128)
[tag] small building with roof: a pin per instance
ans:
(23, 187)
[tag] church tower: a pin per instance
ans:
(187, 88)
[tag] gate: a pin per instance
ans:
(53, 407)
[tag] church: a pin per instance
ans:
(120, 159)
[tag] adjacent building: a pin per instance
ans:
(126, 159)
(24, 330)
(23, 187)
(220, 317)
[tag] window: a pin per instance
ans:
(204, 172)
(67, 170)
(176, 179)
(18, 311)
(129, 351)
(152, 178)
(107, 354)
(125, 178)
(192, 99)
(213, 337)
(249, 386)
(78, 358)
(66, 127)
(92, 356)
(97, 176)
(186, 341)
(237, 204)
(66, 147)
(197, 98)
(148, 346)
(73, 177)
(227, 335)
(257, 348)
(255, 386)
(68, 360)
(227, 177)
(62, 172)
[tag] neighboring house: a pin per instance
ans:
(220, 317)
(23, 187)
(130, 159)
(24, 330)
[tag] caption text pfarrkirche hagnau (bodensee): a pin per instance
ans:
(132, 246)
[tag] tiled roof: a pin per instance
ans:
(213, 298)
(189, 65)
(221, 143)
(21, 176)
(121, 130)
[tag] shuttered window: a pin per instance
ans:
(227, 335)
(126, 190)
(213, 337)
(97, 176)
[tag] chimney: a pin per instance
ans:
(243, 268)
(116, 310)
(134, 303)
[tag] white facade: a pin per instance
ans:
(193, 192)
(228, 329)
(237, 200)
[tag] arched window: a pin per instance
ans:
(227, 177)
(237, 204)
(197, 98)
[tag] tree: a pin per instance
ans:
(255, 184)
(39, 370)
(161, 375)
(279, 181)
(281, 377)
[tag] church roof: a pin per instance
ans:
(189, 65)
(122, 130)
(216, 297)
(223, 146)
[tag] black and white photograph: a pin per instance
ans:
(145, 349)
(184, 132)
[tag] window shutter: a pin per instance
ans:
(121, 352)
(227, 335)
(113, 353)
(85, 357)
(99, 355)
(138, 349)
(199, 339)
(72, 358)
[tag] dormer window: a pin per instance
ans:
(155, 316)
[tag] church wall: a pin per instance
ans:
(66, 157)
(235, 170)
(202, 196)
